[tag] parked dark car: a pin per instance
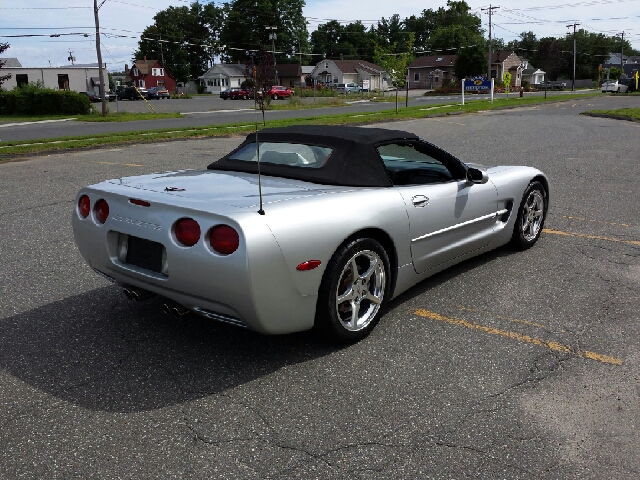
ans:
(110, 96)
(132, 93)
(225, 94)
(629, 82)
(93, 96)
(158, 93)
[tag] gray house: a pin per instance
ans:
(347, 71)
(223, 76)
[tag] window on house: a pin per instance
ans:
(436, 78)
(63, 82)
(136, 72)
(22, 79)
(416, 77)
(157, 72)
(141, 83)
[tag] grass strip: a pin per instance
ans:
(629, 114)
(18, 148)
(92, 117)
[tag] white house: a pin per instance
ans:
(223, 76)
(530, 74)
(78, 78)
(351, 71)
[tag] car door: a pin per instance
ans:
(448, 215)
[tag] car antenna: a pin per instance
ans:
(255, 86)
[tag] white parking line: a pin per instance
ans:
(219, 111)
(33, 123)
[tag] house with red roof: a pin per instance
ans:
(150, 73)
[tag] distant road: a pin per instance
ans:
(204, 111)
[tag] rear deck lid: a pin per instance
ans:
(230, 188)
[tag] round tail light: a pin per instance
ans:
(224, 239)
(84, 206)
(102, 210)
(187, 232)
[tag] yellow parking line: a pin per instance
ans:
(592, 237)
(509, 319)
(555, 346)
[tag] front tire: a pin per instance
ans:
(275, 96)
(354, 289)
(531, 215)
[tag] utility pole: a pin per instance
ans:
(96, 7)
(621, 50)
(490, 10)
(272, 37)
(573, 81)
(164, 74)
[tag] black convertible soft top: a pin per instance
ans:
(354, 161)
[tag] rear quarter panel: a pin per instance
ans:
(313, 228)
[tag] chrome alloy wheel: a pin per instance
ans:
(360, 290)
(532, 215)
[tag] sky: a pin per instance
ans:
(122, 22)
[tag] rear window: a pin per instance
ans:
(290, 154)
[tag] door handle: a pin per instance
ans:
(420, 201)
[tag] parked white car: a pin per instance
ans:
(614, 86)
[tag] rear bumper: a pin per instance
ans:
(252, 285)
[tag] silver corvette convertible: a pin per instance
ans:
(304, 227)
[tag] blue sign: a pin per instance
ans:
(478, 83)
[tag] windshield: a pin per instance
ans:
(290, 154)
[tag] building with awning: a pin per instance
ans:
(77, 78)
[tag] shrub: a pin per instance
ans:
(33, 99)
(200, 89)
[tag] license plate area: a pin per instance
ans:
(142, 253)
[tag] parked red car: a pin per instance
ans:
(240, 93)
(279, 91)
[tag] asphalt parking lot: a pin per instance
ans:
(511, 365)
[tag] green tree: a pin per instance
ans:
(185, 36)
(244, 32)
(471, 61)
(3, 78)
(551, 57)
(395, 65)
(334, 40)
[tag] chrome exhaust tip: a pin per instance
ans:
(175, 310)
(137, 294)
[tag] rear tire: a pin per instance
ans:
(531, 216)
(275, 96)
(354, 290)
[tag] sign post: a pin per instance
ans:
(636, 79)
(507, 83)
(493, 84)
(477, 84)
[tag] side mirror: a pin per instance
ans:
(475, 175)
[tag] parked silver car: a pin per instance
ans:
(348, 88)
(304, 227)
(614, 86)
